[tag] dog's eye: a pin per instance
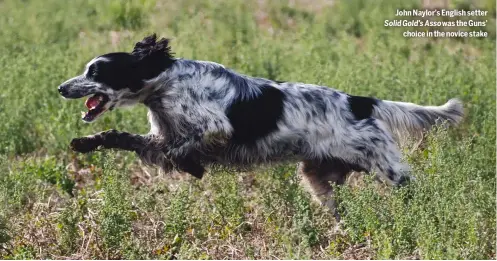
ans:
(91, 71)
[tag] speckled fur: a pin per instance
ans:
(202, 113)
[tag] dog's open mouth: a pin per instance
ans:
(96, 106)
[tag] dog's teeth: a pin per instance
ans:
(83, 114)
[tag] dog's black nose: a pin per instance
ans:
(62, 89)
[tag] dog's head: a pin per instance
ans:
(118, 79)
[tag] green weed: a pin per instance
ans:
(58, 204)
(116, 215)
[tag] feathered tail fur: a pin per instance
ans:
(409, 118)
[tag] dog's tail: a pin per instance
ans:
(410, 118)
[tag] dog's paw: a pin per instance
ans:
(85, 144)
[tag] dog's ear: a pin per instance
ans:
(152, 57)
(146, 44)
(149, 46)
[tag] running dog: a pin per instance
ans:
(202, 113)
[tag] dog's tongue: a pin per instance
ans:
(92, 102)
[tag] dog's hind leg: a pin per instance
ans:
(318, 175)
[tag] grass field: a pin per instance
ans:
(57, 204)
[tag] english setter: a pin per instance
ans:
(203, 113)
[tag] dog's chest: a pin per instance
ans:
(154, 123)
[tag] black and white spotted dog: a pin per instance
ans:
(202, 113)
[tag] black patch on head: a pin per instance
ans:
(153, 56)
(151, 49)
(122, 70)
(361, 107)
(256, 117)
(116, 70)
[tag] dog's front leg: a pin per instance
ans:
(112, 139)
(185, 154)
(148, 148)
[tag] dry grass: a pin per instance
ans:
(55, 204)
